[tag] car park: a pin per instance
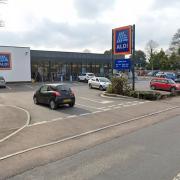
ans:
(101, 83)
(85, 77)
(54, 95)
(2, 82)
(164, 84)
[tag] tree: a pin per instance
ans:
(108, 52)
(174, 61)
(86, 51)
(175, 43)
(151, 47)
(161, 61)
(140, 58)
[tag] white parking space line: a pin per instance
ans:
(96, 112)
(85, 114)
(101, 110)
(126, 105)
(118, 107)
(112, 106)
(72, 116)
(8, 87)
(57, 119)
(96, 101)
(38, 123)
(29, 86)
(91, 107)
(129, 102)
(106, 102)
(107, 109)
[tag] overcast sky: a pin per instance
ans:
(76, 25)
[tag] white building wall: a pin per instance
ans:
(20, 64)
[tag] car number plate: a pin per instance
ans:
(67, 100)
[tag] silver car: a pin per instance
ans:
(2, 82)
(101, 83)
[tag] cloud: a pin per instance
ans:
(53, 35)
(159, 26)
(92, 8)
(159, 4)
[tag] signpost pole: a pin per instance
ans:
(133, 56)
(112, 53)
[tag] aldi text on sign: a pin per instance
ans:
(5, 61)
(122, 64)
(122, 40)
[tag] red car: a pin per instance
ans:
(164, 84)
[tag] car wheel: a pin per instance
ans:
(71, 104)
(153, 87)
(90, 86)
(173, 89)
(35, 100)
(86, 80)
(101, 88)
(52, 104)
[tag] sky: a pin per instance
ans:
(77, 25)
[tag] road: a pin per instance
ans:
(152, 153)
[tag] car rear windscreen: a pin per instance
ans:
(62, 88)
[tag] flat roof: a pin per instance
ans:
(39, 55)
(16, 46)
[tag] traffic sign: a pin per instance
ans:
(122, 40)
(122, 64)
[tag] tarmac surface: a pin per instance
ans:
(151, 153)
(53, 135)
(12, 118)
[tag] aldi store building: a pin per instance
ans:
(20, 64)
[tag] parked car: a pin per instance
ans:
(85, 77)
(101, 83)
(164, 84)
(152, 73)
(167, 75)
(54, 95)
(177, 80)
(2, 82)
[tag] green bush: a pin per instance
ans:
(149, 95)
(119, 86)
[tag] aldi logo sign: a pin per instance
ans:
(5, 61)
(122, 40)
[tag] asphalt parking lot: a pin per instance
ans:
(88, 101)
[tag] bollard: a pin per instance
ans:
(61, 78)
